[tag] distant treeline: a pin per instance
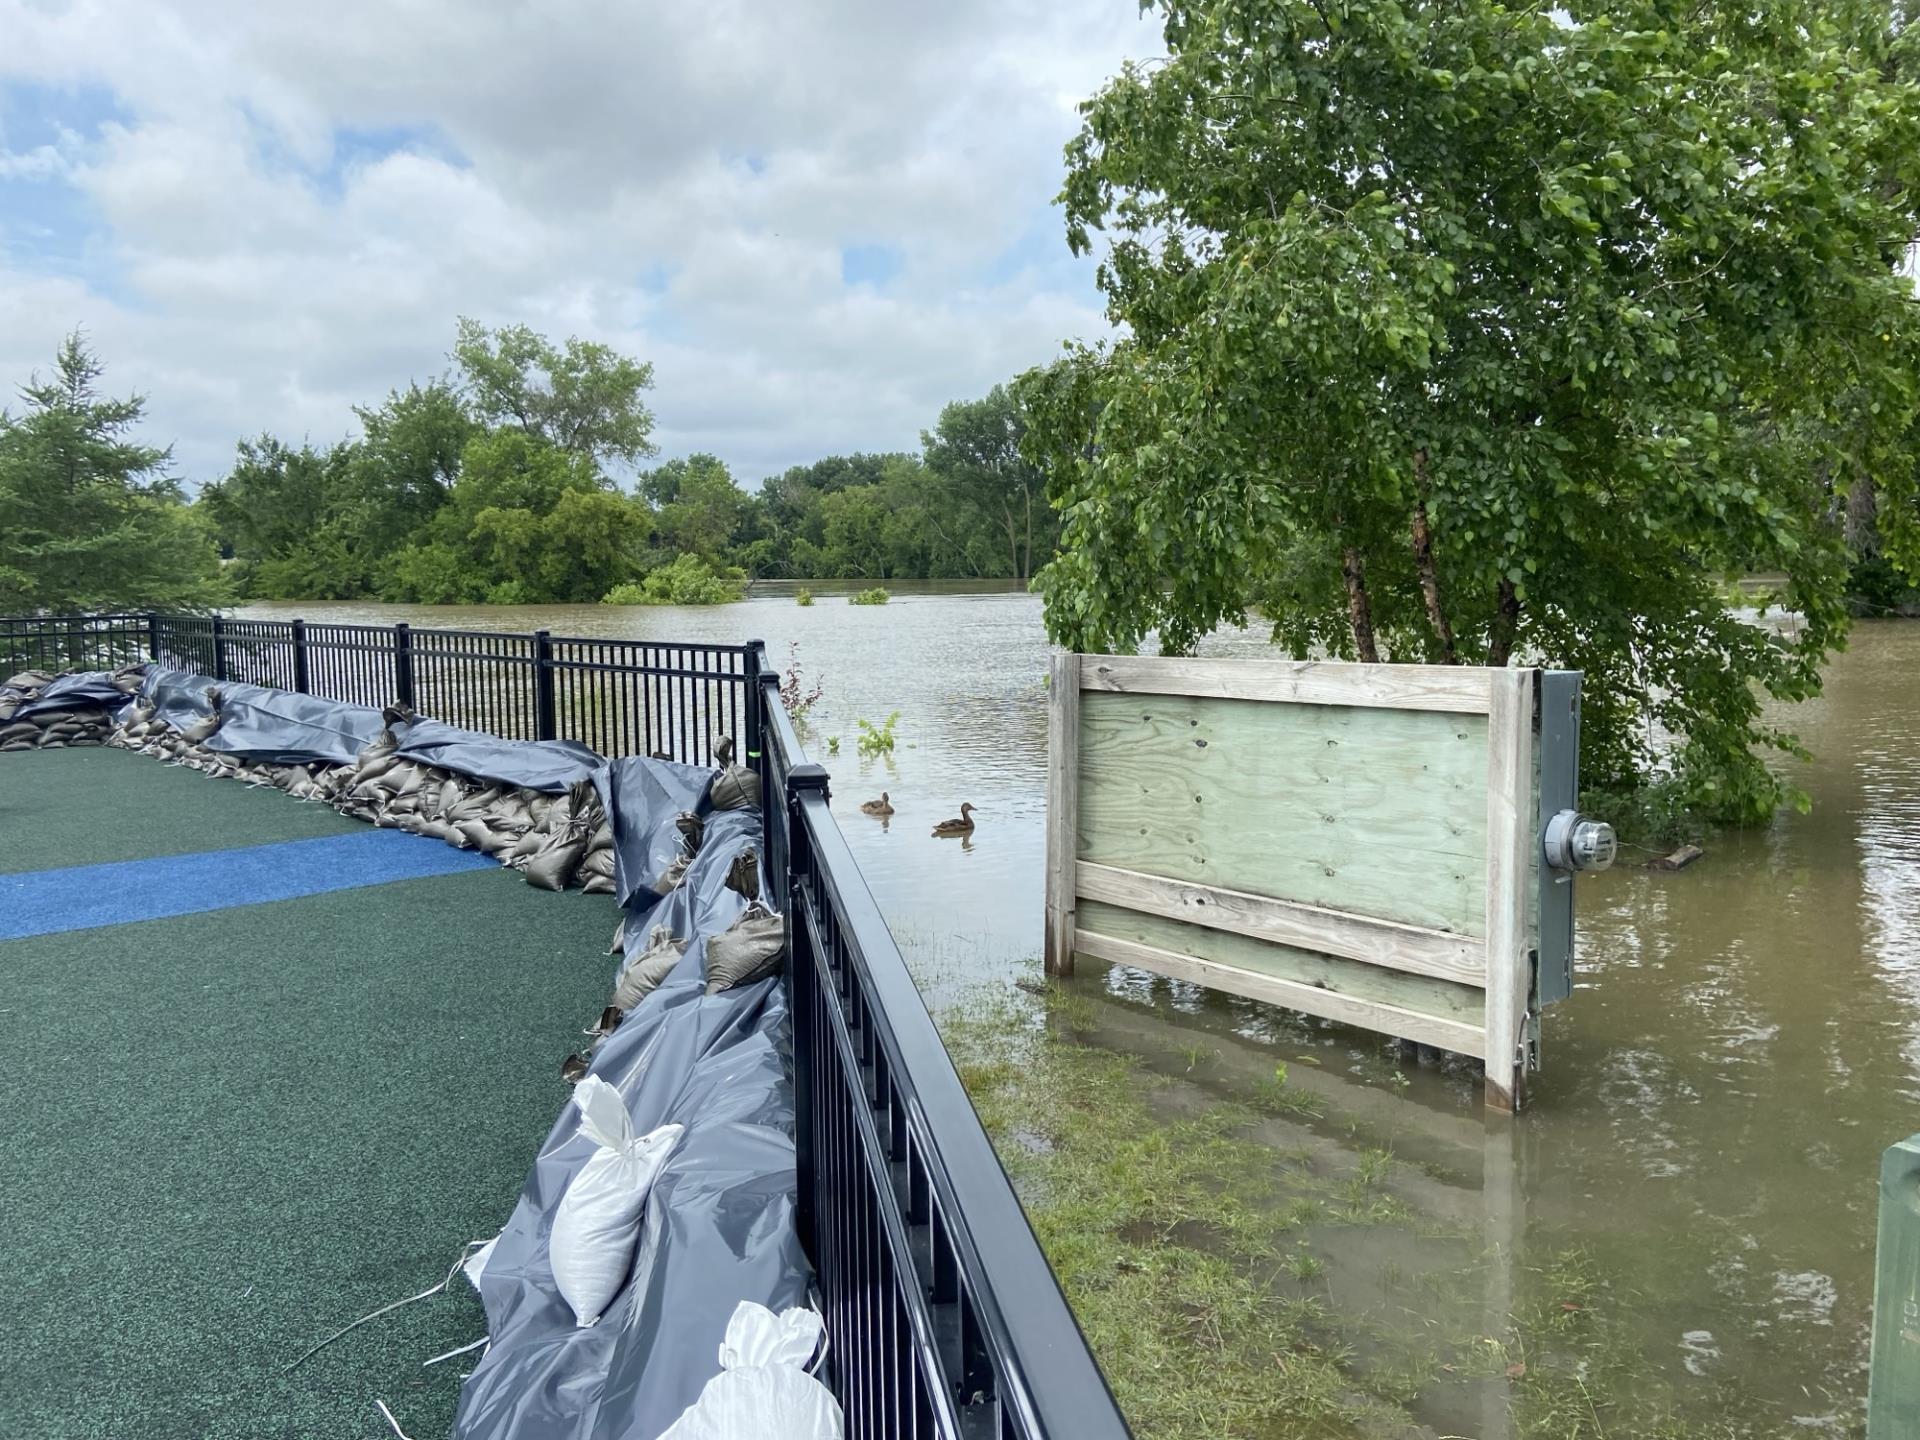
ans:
(492, 485)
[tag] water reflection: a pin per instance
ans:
(1741, 1046)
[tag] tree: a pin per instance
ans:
(975, 449)
(89, 519)
(1462, 333)
(580, 397)
(700, 505)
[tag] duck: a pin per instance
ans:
(962, 826)
(882, 806)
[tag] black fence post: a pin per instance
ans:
(153, 638)
(804, 980)
(300, 657)
(545, 727)
(219, 649)
(759, 753)
(403, 664)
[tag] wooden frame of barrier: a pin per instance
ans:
(1357, 842)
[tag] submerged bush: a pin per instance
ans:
(875, 596)
(803, 596)
(689, 580)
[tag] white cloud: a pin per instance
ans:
(285, 207)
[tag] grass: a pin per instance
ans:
(1189, 1251)
(877, 595)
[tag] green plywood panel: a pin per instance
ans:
(1375, 811)
(1893, 1393)
(1465, 1003)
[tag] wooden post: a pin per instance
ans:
(1510, 843)
(1063, 792)
(1893, 1384)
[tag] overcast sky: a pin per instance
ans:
(820, 221)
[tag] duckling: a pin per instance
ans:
(882, 806)
(962, 826)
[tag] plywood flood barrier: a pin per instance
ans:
(1356, 842)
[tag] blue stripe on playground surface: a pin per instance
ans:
(46, 902)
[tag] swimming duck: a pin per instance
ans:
(882, 806)
(962, 826)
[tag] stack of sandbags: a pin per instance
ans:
(560, 841)
(43, 711)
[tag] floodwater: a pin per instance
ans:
(1743, 1043)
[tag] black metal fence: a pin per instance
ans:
(943, 1315)
(620, 697)
(944, 1318)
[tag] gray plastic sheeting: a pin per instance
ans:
(272, 727)
(81, 690)
(644, 798)
(719, 1224)
(549, 765)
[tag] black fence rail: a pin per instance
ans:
(944, 1318)
(73, 642)
(620, 697)
(943, 1315)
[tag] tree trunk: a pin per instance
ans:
(1026, 564)
(1506, 626)
(1359, 605)
(1423, 562)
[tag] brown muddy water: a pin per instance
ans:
(1743, 1043)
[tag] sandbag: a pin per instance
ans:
(763, 1388)
(597, 1223)
(644, 973)
(751, 950)
(671, 877)
(554, 867)
(735, 788)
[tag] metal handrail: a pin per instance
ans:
(927, 1155)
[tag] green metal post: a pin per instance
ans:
(1893, 1390)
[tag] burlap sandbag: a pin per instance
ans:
(643, 974)
(736, 788)
(554, 867)
(752, 950)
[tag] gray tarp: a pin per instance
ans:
(270, 727)
(80, 690)
(719, 1222)
(644, 798)
(549, 765)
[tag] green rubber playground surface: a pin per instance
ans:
(228, 1134)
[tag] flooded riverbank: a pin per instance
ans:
(1744, 1041)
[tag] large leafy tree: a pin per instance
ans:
(975, 448)
(90, 520)
(1467, 333)
(579, 396)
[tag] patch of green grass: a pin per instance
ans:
(1182, 1244)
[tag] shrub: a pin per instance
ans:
(689, 580)
(875, 596)
(803, 596)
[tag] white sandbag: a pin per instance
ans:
(597, 1223)
(763, 1389)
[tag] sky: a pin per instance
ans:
(820, 221)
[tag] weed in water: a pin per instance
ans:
(803, 596)
(795, 696)
(878, 739)
(833, 745)
(875, 596)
